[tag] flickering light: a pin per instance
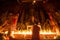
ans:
(6, 32)
(34, 1)
(55, 37)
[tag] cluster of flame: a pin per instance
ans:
(26, 32)
(30, 33)
(43, 32)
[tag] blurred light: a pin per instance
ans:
(44, 1)
(55, 37)
(34, 1)
(6, 32)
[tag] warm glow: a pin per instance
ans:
(45, 32)
(34, 1)
(25, 32)
(6, 32)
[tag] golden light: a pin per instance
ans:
(6, 32)
(34, 1)
(26, 32)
